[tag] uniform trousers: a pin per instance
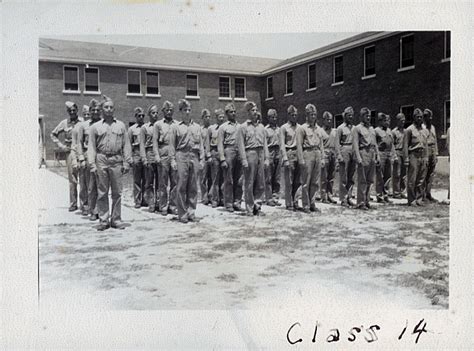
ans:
(254, 176)
(273, 173)
(72, 175)
(216, 178)
(84, 178)
(151, 181)
(92, 191)
(311, 174)
(383, 174)
(430, 169)
(138, 178)
(365, 175)
(187, 163)
(292, 174)
(109, 174)
(232, 178)
(399, 172)
(327, 174)
(416, 175)
(167, 177)
(346, 172)
(205, 182)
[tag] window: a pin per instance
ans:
(338, 119)
(369, 61)
(192, 85)
(373, 118)
(338, 69)
(71, 78)
(91, 77)
(134, 81)
(289, 82)
(224, 87)
(152, 83)
(312, 76)
(269, 87)
(239, 87)
(407, 110)
(407, 54)
(447, 116)
(447, 44)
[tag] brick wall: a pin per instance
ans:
(425, 86)
(113, 83)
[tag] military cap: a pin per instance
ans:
(70, 104)
(167, 104)
(310, 108)
(292, 109)
(138, 111)
(182, 103)
(151, 107)
(249, 105)
(219, 112)
(85, 109)
(348, 110)
(105, 99)
(381, 116)
(399, 116)
(229, 106)
(271, 112)
(327, 114)
(364, 110)
(428, 112)
(94, 103)
(417, 112)
(205, 112)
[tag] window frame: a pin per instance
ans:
(92, 92)
(334, 83)
(230, 88)
(270, 97)
(308, 88)
(372, 75)
(286, 83)
(406, 68)
(445, 46)
(245, 90)
(445, 120)
(407, 118)
(197, 86)
(65, 91)
(146, 84)
(140, 82)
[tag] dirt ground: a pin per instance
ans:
(393, 255)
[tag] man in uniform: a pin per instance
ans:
(217, 198)
(230, 162)
(309, 145)
(148, 159)
(366, 154)
(83, 174)
(187, 156)
(205, 179)
(138, 169)
(399, 169)
(345, 157)
(414, 148)
(387, 156)
(253, 151)
(161, 148)
(110, 155)
(273, 171)
(290, 158)
(432, 154)
(65, 127)
(328, 134)
(81, 143)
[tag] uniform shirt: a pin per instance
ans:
(415, 139)
(227, 134)
(134, 136)
(329, 138)
(363, 137)
(65, 126)
(431, 138)
(213, 135)
(251, 136)
(384, 138)
(398, 136)
(80, 137)
(343, 137)
(308, 137)
(161, 135)
(111, 139)
(288, 138)
(146, 139)
(186, 137)
(205, 141)
(273, 136)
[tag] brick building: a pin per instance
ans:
(385, 71)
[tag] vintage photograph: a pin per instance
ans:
(179, 175)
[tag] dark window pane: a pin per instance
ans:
(269, 87)
(408, 112)
(373, 118)
(408, 58)
(224, 87)
(370, 61)
(134, 82)
(92, 79)
(70, 78)
(448, 44)
(289, 82)
(152, 83)
(447, 114)
(338, 119)
(191, 85)
(338, 69)
(239, 88)
(311, 76)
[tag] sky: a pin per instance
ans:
(271, 45)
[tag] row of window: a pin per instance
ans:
(407, 61)
(152, 83)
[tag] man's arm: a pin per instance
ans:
(172, 146)
(142, 145)
(92, 148)
(337, 144)
(126, 152)
(299, 144)
(155, 138)
(355, 144)
(266, 154)
(284, 155)
(220, 142)
(55, 134)
(241, 145)
(406, 143)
